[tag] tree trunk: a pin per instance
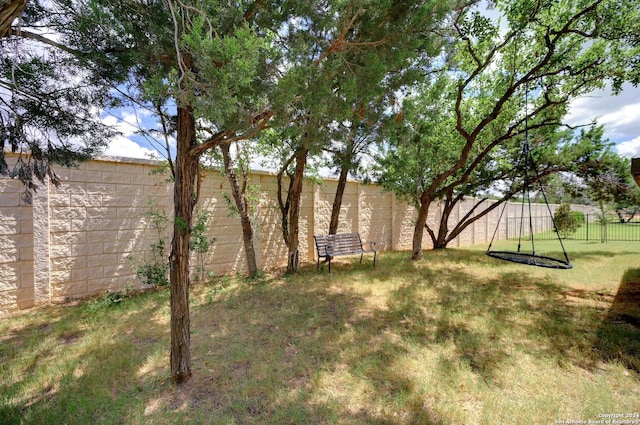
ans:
(418, 230)
(186, 171)
(243, 210)
(337, 200)
(603, 222)
(294, 195)
(10, 10)
(440, 241)
(470, 217)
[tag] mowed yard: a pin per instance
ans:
(457, 338)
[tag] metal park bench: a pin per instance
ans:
(329, 246)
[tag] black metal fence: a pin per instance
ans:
(592, 229)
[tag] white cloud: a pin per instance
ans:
(127, 148)
(630, 148)
(130, 143)
(127, 128)
(619, 114)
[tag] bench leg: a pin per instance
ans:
(374, 258)
(361, 258)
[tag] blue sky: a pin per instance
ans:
(619, 114)
(130, 144)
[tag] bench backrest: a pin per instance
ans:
(341, 242)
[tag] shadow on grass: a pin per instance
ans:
(619, 334)
(314, 348)
(586, 255)
(299, 350)
(66, 375)
(313, 340)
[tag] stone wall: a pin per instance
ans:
(97, 225)
(16, 249)
(86, 236)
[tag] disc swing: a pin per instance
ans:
(527, 165)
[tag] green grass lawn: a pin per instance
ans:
(457, 338)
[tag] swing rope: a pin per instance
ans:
(527, 162)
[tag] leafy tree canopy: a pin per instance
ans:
(499, 82)
(57, 73)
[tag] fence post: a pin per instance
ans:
(506, 228)
(587, 219)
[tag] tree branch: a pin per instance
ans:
(44, 40)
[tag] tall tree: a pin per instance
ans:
(218, 55)
(553, 51)
(109, 30)
(608, 184)
(163, 61)
(242, 202)
(350, 143)
(346, 55)
(188, 56)
(236, 74)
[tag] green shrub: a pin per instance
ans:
(566, 220)
(579, 217)
(109, 299)
(200, 243)
(152, 267)
(155, 268)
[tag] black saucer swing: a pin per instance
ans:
(521, 256)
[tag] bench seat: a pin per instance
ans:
(329, 246)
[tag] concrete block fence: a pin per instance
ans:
(84, 237)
